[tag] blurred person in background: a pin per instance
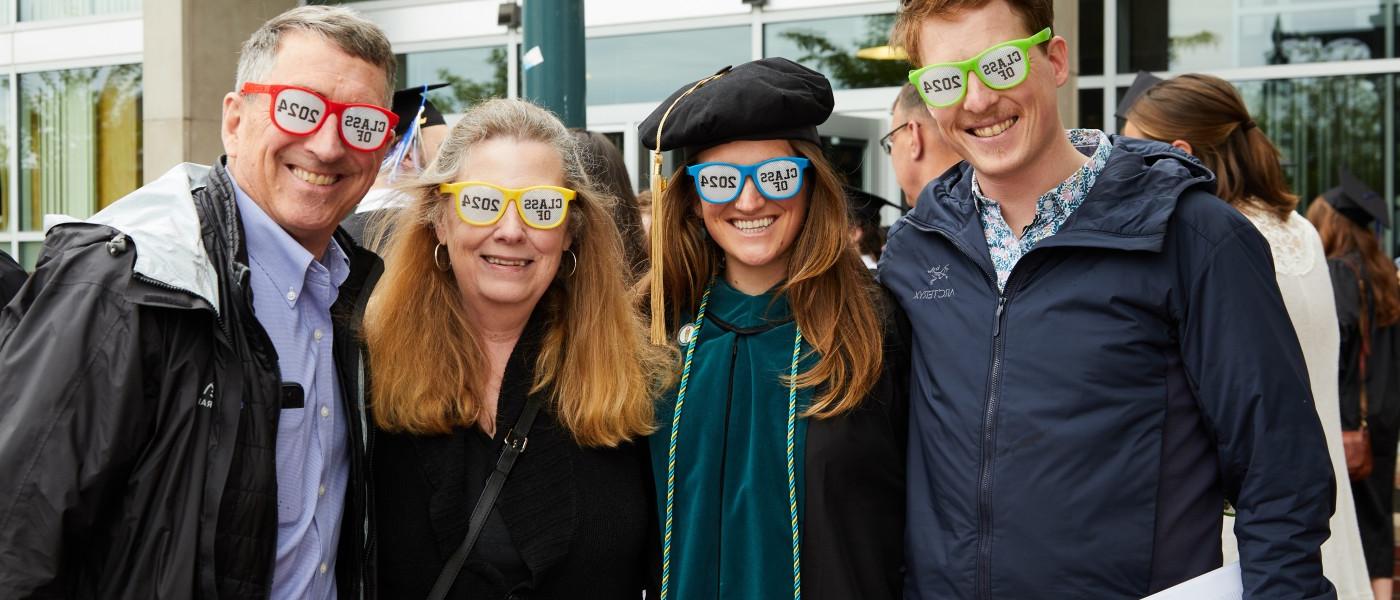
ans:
(503, 327)
(417, 136)
(867, 235)
(608, 172)
(644, 207)
(1368, 308)
(914, 145)
(1204, 116)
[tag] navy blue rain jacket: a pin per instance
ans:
(1076, 436)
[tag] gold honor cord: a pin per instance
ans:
(658, 188)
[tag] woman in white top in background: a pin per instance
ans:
(1205, 117)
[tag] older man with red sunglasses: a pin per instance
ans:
(181, 393)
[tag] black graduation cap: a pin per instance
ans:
(406, 103)
(767, 99)
(1141, 84)
(1356, 201)
(865, 206)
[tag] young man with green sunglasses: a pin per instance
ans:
(1104, 358)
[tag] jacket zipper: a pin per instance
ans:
(218, 316)
(984, 493)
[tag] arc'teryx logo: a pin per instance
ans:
(936, 273)
(206, 399)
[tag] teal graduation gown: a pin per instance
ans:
(731, 536)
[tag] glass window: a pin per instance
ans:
(4, 155)
(472, 75)
(1320, 124)
(1091, 37)
(29, 254)
(1187, 35)
(35, 10)
(80, 141)
(830, 45)
(648, 67)
(1091, 109)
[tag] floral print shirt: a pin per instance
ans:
(1052, 209)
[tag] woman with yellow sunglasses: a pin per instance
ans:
(511, 378)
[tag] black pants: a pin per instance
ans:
(1373, 497)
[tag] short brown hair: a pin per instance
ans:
(1035, 14)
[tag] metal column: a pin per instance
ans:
(557, 83)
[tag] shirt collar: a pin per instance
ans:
(278, 254)
(1090, 142)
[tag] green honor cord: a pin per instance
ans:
(671, 454)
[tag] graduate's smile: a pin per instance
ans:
(753, 225)
(753, 231)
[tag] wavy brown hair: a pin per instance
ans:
(426, 357)
(832, 296)
(1207, 112)
(1342, 237)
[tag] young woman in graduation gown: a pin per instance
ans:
(779, 453)
(1368, 309)
(492, 302)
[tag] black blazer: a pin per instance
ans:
(582, 520)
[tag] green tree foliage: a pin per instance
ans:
(840, 62)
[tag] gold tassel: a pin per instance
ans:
(658, 298)
(658, 191)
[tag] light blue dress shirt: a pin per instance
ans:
(292, 298)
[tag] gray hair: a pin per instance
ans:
(910, 103)
(341, 26)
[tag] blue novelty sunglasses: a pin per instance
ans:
(777, 178)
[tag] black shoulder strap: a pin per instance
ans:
(515, 442)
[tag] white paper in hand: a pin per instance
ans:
(1221, 584)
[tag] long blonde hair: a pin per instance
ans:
(832, 295)
(426, 359)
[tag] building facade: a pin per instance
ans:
(97, 96)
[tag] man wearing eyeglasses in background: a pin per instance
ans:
(915, 147)
(1103, 358)
(181, 402)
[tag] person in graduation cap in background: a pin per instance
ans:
(1368, 308)
(417, 137)
(779, 456)
(866, 235)
(1204, 116)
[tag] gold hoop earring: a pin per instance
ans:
(574, 267)
(442, 264)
